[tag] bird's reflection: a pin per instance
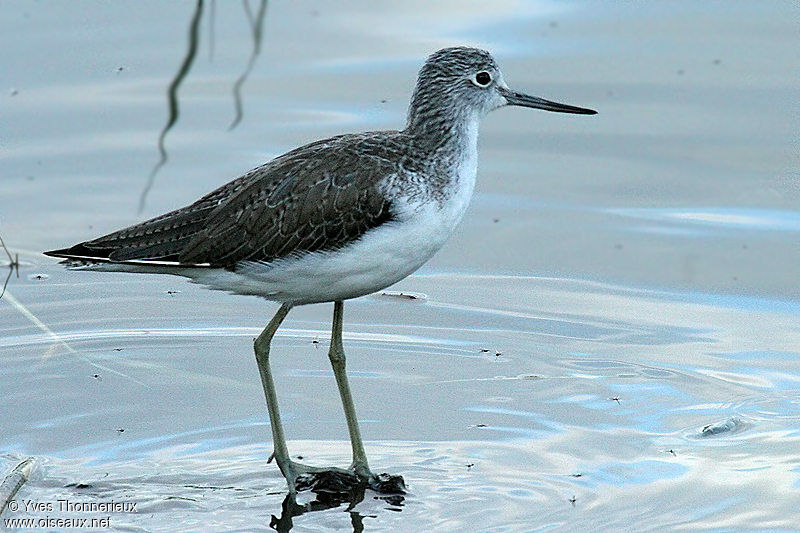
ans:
(256, 25)
(328, 500)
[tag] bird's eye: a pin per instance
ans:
(482, 79)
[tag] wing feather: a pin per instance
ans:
(318, 197)
(304, 204)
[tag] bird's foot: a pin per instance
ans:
(388, 484)
(342, 483)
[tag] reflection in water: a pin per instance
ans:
(726, 218)
(256, 27)
(172, 98)
(327, 500)
(256, 24)
(212, 17)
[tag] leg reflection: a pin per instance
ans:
(291, 509)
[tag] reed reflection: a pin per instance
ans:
(172, 100)
(256, 29)
(256, 24)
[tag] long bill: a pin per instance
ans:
(524, 100)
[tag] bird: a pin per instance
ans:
(329, 221)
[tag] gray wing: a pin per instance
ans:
(318, 197)
(159, 238)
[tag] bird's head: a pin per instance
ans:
(463, 81)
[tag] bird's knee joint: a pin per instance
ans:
(262, 352)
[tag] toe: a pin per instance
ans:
(329, 481)
(387, 484)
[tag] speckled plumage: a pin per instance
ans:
(329, 221)
(314, 198)
(289, 221)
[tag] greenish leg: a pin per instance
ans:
(290, 469)
(261, 346)
(337, 357)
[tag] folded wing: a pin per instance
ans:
(321, 196)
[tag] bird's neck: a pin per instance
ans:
(443, 151)
(446, 140)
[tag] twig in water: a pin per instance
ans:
(13, 481)
(13, 265)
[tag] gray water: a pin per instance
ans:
(609, 342)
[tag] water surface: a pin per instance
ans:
(609, 342)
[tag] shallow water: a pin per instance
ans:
(609, 342)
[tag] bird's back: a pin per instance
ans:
(320, 196)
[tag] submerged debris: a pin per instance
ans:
(13, 481)
(410, 296)
(78, 486)
(730, 425)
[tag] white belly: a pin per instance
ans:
(382, 257)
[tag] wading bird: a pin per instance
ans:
(329, 221)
